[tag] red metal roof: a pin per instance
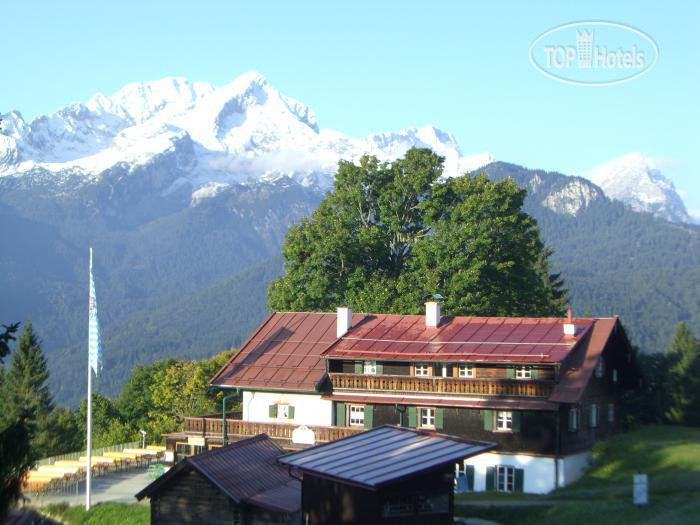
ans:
(283, 353)
(577, 370)
(490, 339)
(286, 351)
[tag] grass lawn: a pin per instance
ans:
(102, 514)
(669, 455)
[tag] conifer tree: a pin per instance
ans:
(14, 436)
(683, 380)
(28, 391)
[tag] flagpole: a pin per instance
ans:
(88, 476)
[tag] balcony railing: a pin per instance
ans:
(211, 426)
(442, 385)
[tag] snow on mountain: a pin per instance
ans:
(244, 130)
(636, 180)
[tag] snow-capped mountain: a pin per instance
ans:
(637, 181)
(215, 136)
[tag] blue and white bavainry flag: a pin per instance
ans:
(94, 346)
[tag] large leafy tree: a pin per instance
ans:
(391, 234)
(683, 378)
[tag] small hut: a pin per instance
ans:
(386, 475)
(241, 483)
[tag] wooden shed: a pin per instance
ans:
(387, 475)
(238, 484)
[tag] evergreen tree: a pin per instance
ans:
(390, 235)
(683, 380)
(14, 437)
(28, 391)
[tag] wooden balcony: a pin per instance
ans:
(211, 426)
(442, 385)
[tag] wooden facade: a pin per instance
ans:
(423, 500)
(442, 385)
(239, 484)
(191, 499)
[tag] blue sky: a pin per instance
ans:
(374, 66)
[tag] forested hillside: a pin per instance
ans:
(187, 279)
(616, 261)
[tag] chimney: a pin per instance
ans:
(432, 314)
(569, 326)
(344, 321)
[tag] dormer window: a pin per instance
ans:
(523, 372)
(422, 370)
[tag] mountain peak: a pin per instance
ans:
(636, 180)
(243, 130)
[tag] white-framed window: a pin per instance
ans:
(573, 419)
(614, 375)
(611, 412)
(523, 372)
(504, 421)
(282, 411)
(426, 417)
(593, 416)
(600, 368)
(422, 370)
(505, 478)
(466, 371)
(357, 415)
(370, 368)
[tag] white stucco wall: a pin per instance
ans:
(540, 472)
(309, 409)
(572, 467)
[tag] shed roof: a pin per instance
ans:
(492, 339)
(383, 455)
(245, 471)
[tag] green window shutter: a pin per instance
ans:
(340, 414)
(490, 478)
(516, 421)
(369, 416)
(438, 418)
(470, 476)
(510, 372)
(291, 412)
(380, 368)
(533, 373)
(412, 417)
(272, 410)
(488, 419)
(519, 479)
(358, 367)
